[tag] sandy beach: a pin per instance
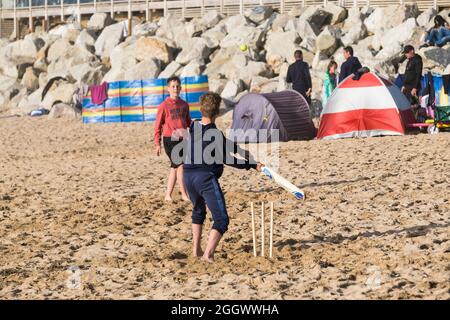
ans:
(82, 216)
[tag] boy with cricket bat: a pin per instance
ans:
(207, 151)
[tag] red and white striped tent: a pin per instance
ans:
(368, 107)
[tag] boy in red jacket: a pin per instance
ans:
(173, 118)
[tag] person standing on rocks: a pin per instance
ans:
(298, 74)
(351, 64)
(413, 73)
(172, 120)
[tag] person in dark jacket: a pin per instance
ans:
(207, 150)
(298, 74)
(351, 64)
(413, 73)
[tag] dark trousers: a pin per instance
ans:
(204, 190)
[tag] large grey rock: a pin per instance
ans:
(248, 71)
(194, 49)
(440, 57)
(426, 16)
(23, 104)
(250, 36)
(211, 18)
(193, 68)
(58, 49)
(87, 39)
(21, 51)
(217, 85)
(146, 48)
(110, 37)
(170, 70)
(214, 36)
(400, 34)
(302, 27)
(282, 83)
(63, 110)
(317, 17)
(63, 93)
(355, 34)
(309, 44)
(41, 65)
(146, 69)
(30, 79)
(354, 18)
(280, 47)
(43, 79)
(385, 18)
(234, 22)
(146, 29)
(99, 21)
(87, 73)
(326, 42)
(231, 90)
(280, 22)
(338, 14)
(6, 83)
(320, 60)
(68, 31)
(258, 14)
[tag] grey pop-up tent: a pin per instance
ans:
(256, 116)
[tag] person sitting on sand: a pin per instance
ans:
(172, 119)
(207, 150)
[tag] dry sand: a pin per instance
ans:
(376, 223)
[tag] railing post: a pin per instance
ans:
(95, 6)
(355, 3)
(435, 4)
(260, 2)
(62, 10)
(183, 10)
(112, 9)
(30, 18)
(282, 6)
(78, 12)
(165, 8)
(15, 20)
(241, 7)
(221, 6)
(303, 3)
(130, 16)
(202, 12)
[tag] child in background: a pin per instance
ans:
(329, 82)
(172, 119)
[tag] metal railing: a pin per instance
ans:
(18, 9)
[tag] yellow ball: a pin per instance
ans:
(244, 47)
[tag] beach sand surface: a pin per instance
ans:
(82, 216)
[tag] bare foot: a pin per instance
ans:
(168, 199)
(208, 259)
(184, 198)
(198, 253)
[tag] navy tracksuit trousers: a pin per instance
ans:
(204, 190)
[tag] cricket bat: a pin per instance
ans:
(282, 182)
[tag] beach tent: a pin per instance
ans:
(370, 106)
(286, 111)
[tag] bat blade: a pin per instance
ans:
(282, 182)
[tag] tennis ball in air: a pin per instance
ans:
(244, 47)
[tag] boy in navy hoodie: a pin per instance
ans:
(207, 152)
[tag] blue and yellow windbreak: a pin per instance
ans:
(138, 100)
